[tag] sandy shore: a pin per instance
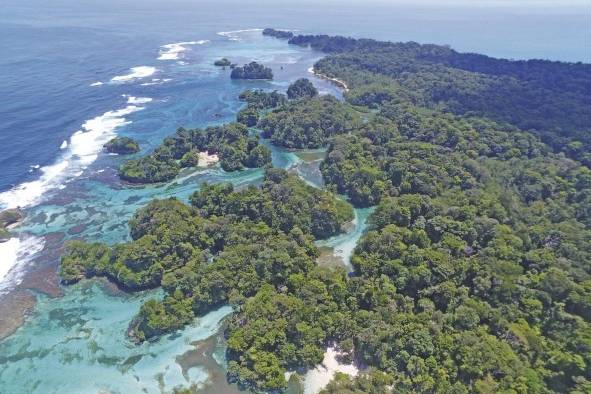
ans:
(206, 160)
(317, 378)
(336, 81)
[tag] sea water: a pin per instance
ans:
(83, 333)
(75, 74)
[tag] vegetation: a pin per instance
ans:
(258, 102)
(233, 144)
(308, 123)
(278, 33)
(122, 146)
(223, 62)
(301, 88)
(474, 274)
(283, 202)
(252, 70)
(549, 99)
(262, 100)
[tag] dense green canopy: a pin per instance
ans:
(277, 33)
(122, 146)
(258, 102)
(232, 142)
(474, 274)
(252, 237)
(252, 70)
(223, 62)
(550, 99)
(301, 88)
(308, 123)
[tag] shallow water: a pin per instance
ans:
(83, 333)
(142, 71)
(86, 200)
(77, 344)
(342, 245)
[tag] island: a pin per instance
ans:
(231, 144)
(223, 62)
(252, 70)
(8, 218)
(285, 34)
(122, 146)
(473, 275)
(309, 123)
(258, 102)
(301, 88)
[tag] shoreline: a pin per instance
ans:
(336, 81)
(41, 277)
(318, 378)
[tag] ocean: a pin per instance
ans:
(74, 74)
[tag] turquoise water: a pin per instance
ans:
(343, 244)
(56, 78)
(77, 343)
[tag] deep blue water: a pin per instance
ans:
(67, 86)
(53, 51)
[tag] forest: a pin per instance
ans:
(252, 70)
(474, 274)
(547, 98)
(232, 143)
(122, 146)
(309, 122)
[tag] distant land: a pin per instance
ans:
(473, 273)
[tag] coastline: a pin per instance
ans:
(41, 277)
(318, 378)
(336, 81)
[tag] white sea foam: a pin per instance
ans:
(14, 254)
(156, 81)
(97, 83)
(136, 73)
(83, 148)
(137, 100)
(174, 50)
(64, 145)
(234, 35)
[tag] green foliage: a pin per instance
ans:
(548, 98)
(252, 70)
(283, 202)
(301, 88)
(149, 169)
(277, 33)
(223, 62)
(82, 260)
(231, 142)
(474, 274)
(248, 116)
(262, 100)
(258, 101)
(308, 123)
(122, 146)
(372, 382)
